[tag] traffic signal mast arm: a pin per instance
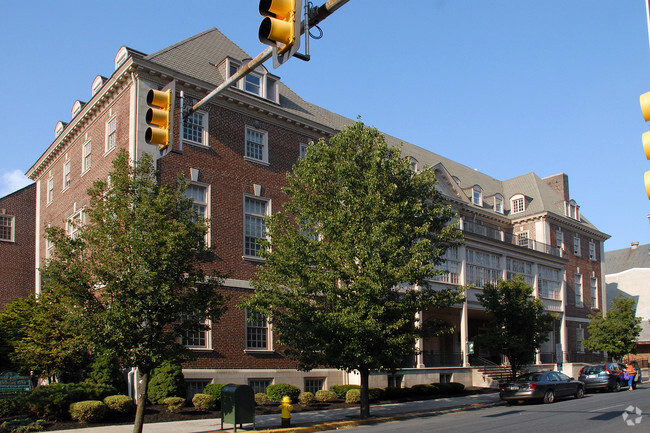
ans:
(323, 12)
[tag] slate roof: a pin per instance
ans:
(197, 56)
(627, 258)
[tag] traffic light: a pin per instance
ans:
(281, 26)
(645, 109)
(159, 116)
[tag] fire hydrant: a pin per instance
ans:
(286, 408)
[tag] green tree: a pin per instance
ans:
(41, 337)
(132, 273)
(518, 324)
(359, 229)
(616, 333)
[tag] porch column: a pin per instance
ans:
(464, 339)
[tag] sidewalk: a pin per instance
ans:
(310, 421)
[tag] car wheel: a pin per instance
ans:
(617, 387)
(580, 392)
(549, 396)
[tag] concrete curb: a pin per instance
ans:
(334, 425)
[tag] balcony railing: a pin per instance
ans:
(499, 235)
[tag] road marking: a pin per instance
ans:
(605, 408)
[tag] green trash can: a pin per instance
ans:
(237, 405)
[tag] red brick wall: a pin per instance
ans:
(17, 270)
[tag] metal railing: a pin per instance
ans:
(497, 234)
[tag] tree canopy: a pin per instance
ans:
(131, 273)
(347, 260)
(518, 324)
(616, 333)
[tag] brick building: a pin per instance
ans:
(236, 151)
(17, 239)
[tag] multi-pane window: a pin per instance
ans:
(498, 204)
(518, 205)
(257, 331)
(254, 226)
(482, 267)
(522, 239)
(313, 384)
(197, 337)
(303, 150)
(592, 250)
(50, 189)
(580, 337)
(576, 245)
(259, 385)
(111, 134)
(66, 174)
(74, 224)
(477, 196)
(559, 239)
(6, 228)
(451, 266)
(578, 289)
(195, 386)
(199, 196)
(518, 267)
(194, 127)
(253, 84)
(594, 293)
(256, 145)
(549, 282)
(87, 156)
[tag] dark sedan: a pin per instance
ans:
(541, 385)
(607, 376)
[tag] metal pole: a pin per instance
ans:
(323, 12)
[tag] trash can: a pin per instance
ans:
(237, 405)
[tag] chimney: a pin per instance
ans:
(634, 245)
(560, 183)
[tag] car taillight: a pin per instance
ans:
(532, 386)
(607, 370)
(580, 374)
(502, 389)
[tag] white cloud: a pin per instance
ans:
(11, 181)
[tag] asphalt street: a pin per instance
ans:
(610, 412)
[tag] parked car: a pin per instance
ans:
(546, 386)
(607, 376)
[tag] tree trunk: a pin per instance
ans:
(142, 401)
(365, 400)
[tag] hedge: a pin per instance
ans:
(341, 390)
(353, 396)
(262, 399)
(203, 401)
(88, 411)
(306, 398)
(279, 390)
(166, 381)
(174, 404)
(214, 389)
(119, 404)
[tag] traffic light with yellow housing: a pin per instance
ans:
(159, 116)
(281, 27)
(645, 109)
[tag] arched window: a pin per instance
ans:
(498, 203)
(517, 203)
(477, 195)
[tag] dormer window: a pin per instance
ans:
(414, 163)
(573, 210)
(517, 203)
(258, 82)
(498, 203)
(477, 195)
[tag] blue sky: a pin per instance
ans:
(507, 87)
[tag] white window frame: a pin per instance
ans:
(195, 334)
(111, 135)
(517, 204)
(559, 239)
(264, 334)
(86, 157)
(206, 204)
(317, 384)
(482, 267)
(50, 189)
(265, 145)
(516, 267)
(549, 282)
(594, 292)
(203, 133)
(247, 80)
(577, 250)
(592, 250)
(269, 88)
(498, 203)
(303, 150)
(67, 176)
(578, 290)
(580, 337)
(523, 239)
(267, 211)
(8, 225)
(477, 195)
(74, 223)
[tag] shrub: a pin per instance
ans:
(166, 381)
(279, 390)
(88, 411)
(342, 390)
(52, 402)
(174, 404)
(119, 404)
(22, 425)
(214, 389)
(353, 396)
(424, 390)
(392, 392)
(105, 369)
(12, 407)
(306, 398)
(262, 399)
(449, 388)
(323, 395)
(203, 401)
(374, 394)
